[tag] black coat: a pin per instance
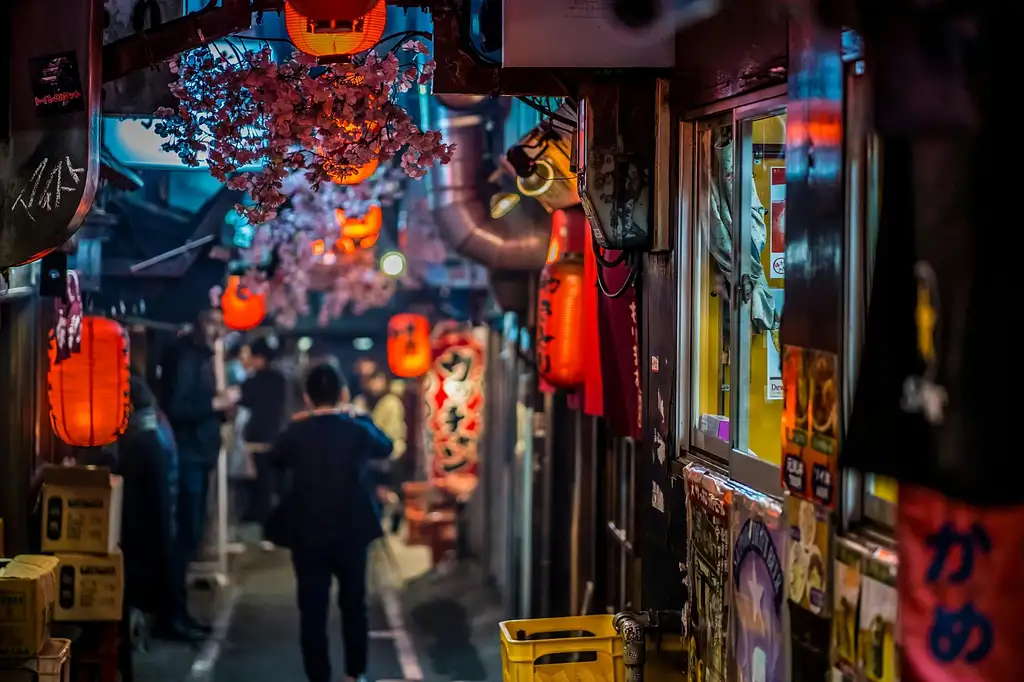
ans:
(187, 389)
(331, 499)
(146, 523)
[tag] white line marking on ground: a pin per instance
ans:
(202, 667)
(382, 634)
(407, 658)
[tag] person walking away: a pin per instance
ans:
(330, 516)
(147, 527)
(264, 395)
(195, 410)
(383, 400)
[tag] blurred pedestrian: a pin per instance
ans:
(329, 517)
(264, 395)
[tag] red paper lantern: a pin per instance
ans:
(89, 393)
(243, 310)
(336, 9)
(569, 233)
(560, 323)
(409, 353)
(337, 32)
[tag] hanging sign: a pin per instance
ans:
(960, 589)
(67, 331)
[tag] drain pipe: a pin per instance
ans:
(634, 627)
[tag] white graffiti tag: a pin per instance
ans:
(48, 184)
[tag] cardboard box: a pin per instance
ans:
(27, 594)
(81, 510)
(90, 587)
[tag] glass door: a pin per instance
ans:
(737, 238)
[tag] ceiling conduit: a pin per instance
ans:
(517, 242)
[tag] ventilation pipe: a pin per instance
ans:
(516, 242)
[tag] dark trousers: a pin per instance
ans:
(193, 503)
(267, 489)
(314, 569)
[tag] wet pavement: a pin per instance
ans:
(425, 625)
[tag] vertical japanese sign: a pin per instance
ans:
(454, 394)
(960, 589)
(67, 330)
(777, 240)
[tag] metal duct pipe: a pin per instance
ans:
(515, 242)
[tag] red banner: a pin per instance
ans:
(960, 589)
(454, 397)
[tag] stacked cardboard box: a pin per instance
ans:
(81, 508)
(28, 591)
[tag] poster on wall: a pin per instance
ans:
(709, 501)
(773, 347)
(777, 240)
(810, 421)
(807, 563)
(758, 548)
(454, 396)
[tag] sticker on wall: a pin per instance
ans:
(845, 604)
(807, 562)
(758, 545)
(56, 84)
(709, 501)
(876, 640)
(795, 420)
(810, 423)
(773, 349)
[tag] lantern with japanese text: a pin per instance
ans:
(243, 309)
(332, 30)
(89, 392)
(560, 323)
(361, 231)
(409, 353)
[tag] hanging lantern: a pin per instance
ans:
(409, 353)
(352, 175)
(362, 231)
(89, 393)
(560, 323)
(569, 233)
(336, 9)
(335, 32)
(243, 310)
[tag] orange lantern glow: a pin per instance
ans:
(337, 33)
(409, 354)
(243, 310)
(338, 9)
(560, 323)
(89, 393)
(363, 231)
(569, 232)
(352, 175)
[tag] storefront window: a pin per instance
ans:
(765, 156)
(711, 314)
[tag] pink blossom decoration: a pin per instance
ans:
(296, 117)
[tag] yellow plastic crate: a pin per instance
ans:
(541, 649)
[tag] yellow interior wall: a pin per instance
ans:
(764, 429)
(765, 434)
